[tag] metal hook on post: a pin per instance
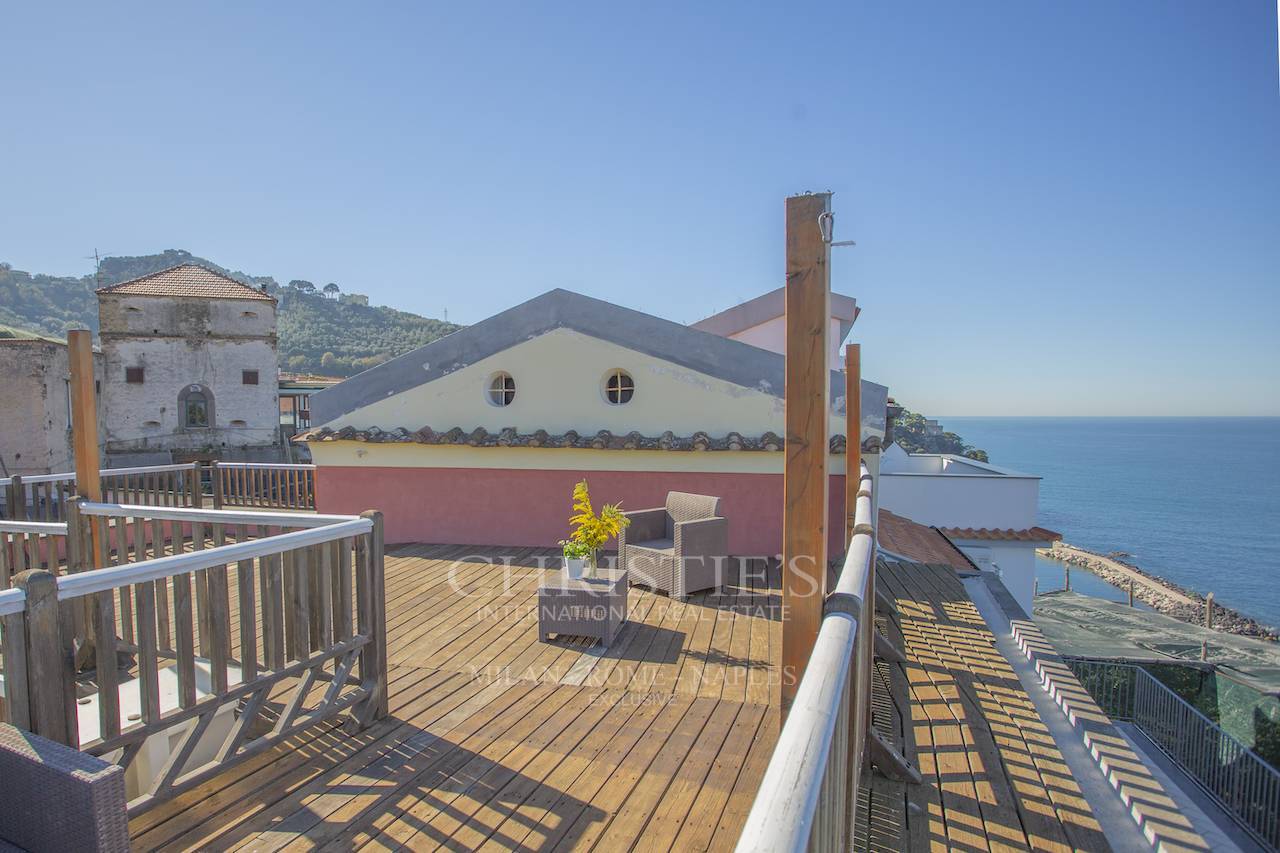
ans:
(826, 224)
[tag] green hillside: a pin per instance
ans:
(322, 329)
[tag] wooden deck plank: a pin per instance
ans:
(351, 801)
(499, 741)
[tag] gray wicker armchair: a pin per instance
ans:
(58, 798)
(678, 549)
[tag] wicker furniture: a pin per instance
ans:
(583, 607)
(679, 548)
(58, 798)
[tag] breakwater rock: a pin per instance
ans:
(1162, 595)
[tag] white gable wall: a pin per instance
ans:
(560, 379)
(772, 335)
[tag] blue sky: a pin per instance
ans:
(1060, 208)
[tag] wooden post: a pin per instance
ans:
(1208, 611)
(84, 442)
(196, 496)
(84, 431)
(1066, 576)
(215, 477)
(50, 675)
(805, 484)
(371, 615)
(16, 500)
(1130, 591)
(852, 435)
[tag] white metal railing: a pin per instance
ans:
(106, 472)
(214, 516)
(102, 580)
(808, 797)
(30, 545)
(43, 497)
(12, 601)
(1240, 780)
(43, 528)
(268, 466)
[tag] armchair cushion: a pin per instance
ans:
(663, 547)
(645, 524)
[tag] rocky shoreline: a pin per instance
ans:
(1162, 595)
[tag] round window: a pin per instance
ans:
(619, 387)
(502, 389)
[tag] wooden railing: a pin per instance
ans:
(265, 485)
(30, 545)
(43, 497)
(243, 628)
(809, 795)
(261, 484)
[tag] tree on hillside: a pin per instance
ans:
(328, 360)
(911, 433)
(331, 290)
(302, 285)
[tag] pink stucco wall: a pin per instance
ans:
(485, 506)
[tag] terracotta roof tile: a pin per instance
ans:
(602, 440)
(918, 542)
(1029, 534)
(187, 280)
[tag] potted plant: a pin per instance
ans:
(576, 557)
(591, 531)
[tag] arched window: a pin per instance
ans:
(619, 387)
(502, 389)
(195, 407)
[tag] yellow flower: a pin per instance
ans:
(590, 529)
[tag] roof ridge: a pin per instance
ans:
(735, 362)
(146, 276)
(188, 278)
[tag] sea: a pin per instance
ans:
(1193, 500)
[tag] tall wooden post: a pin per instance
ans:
(84, 431)
(853, 435)
(805, 484)
(84, 443)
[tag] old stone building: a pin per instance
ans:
(189, 367)
(35, 420)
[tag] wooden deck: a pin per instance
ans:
(993, 776)
(498, 741)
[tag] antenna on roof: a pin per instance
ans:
(97, 269)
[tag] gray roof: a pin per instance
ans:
(768, 306)
(732, 361)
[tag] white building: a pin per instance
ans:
(988, 512)
(189, 366)
(762, 322)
